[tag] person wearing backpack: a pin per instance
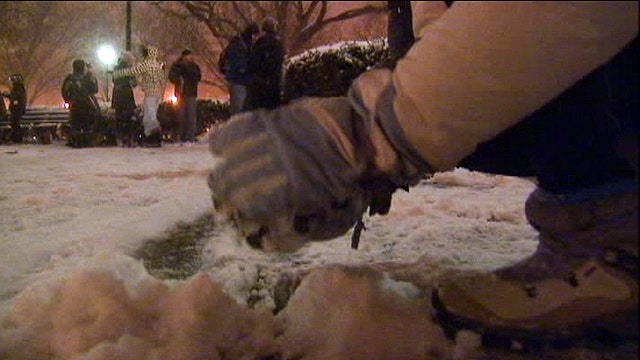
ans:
(265, 68)
(77, 90)
(233, 65)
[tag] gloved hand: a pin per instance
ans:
(304, 171)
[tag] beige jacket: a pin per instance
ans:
(483, 66)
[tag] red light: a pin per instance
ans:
(65, 105)
(173, 99)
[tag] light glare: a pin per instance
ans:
(107, 55)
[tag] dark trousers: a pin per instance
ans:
(81, 121)
(127, 126)
(16, 129)
(585, 137)
(263, 94)
(188, 116)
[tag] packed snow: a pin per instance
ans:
(70, 287)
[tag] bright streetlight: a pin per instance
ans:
(107, 56)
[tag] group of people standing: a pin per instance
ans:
(80, 87)
(252, 66)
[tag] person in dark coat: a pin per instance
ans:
(77, 90)
(185, 75)
(17, 105)
(233, 65)
(265, 68)
(124, 103)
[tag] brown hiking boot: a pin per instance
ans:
(581, 283)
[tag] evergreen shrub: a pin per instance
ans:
(209, 113)
(329, 70)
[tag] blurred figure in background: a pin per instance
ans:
(3, 107)
(17, 106)
(152, 79)
(233, 65)
(91, 83)
(185, 75)
(265, 68)
(78, 91)
(124, 103)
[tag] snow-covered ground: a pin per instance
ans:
(70, 220)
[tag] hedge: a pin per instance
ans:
(329, 71)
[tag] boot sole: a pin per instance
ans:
(527, 341)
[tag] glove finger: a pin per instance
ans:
(238, 129)
(257, 193)
(250, 179)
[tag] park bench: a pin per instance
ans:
(39, 125)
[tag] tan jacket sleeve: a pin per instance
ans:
(425, 12)
(483, 66)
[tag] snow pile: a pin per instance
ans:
(121, 313)
(109, 308)
(359, 314)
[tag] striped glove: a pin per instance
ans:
(303, 172)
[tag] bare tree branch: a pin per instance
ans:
(39, 42)
(308, 32)
(299, 21)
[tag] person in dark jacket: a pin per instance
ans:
(17, 105)
(124, 103)
(185, 75)
(77, 91)
(233, 65)
(265, 68)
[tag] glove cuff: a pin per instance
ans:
(390, 153)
